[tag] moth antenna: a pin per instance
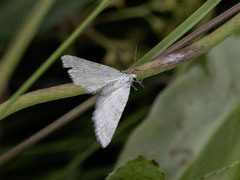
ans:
(134, 87)
(140, 82)
(135, 53)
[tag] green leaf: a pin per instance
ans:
(193, 127)
(139, 169)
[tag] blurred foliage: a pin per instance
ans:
(14, 12)
(110, 40)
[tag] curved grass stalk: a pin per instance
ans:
(41, 96)
(168, 61)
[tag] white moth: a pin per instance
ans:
(114, 87)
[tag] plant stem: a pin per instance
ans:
(41, 96)
(205, 28)
(178, 32)
(168, 61)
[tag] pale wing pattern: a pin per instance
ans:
(108, 112)
(90, 75)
